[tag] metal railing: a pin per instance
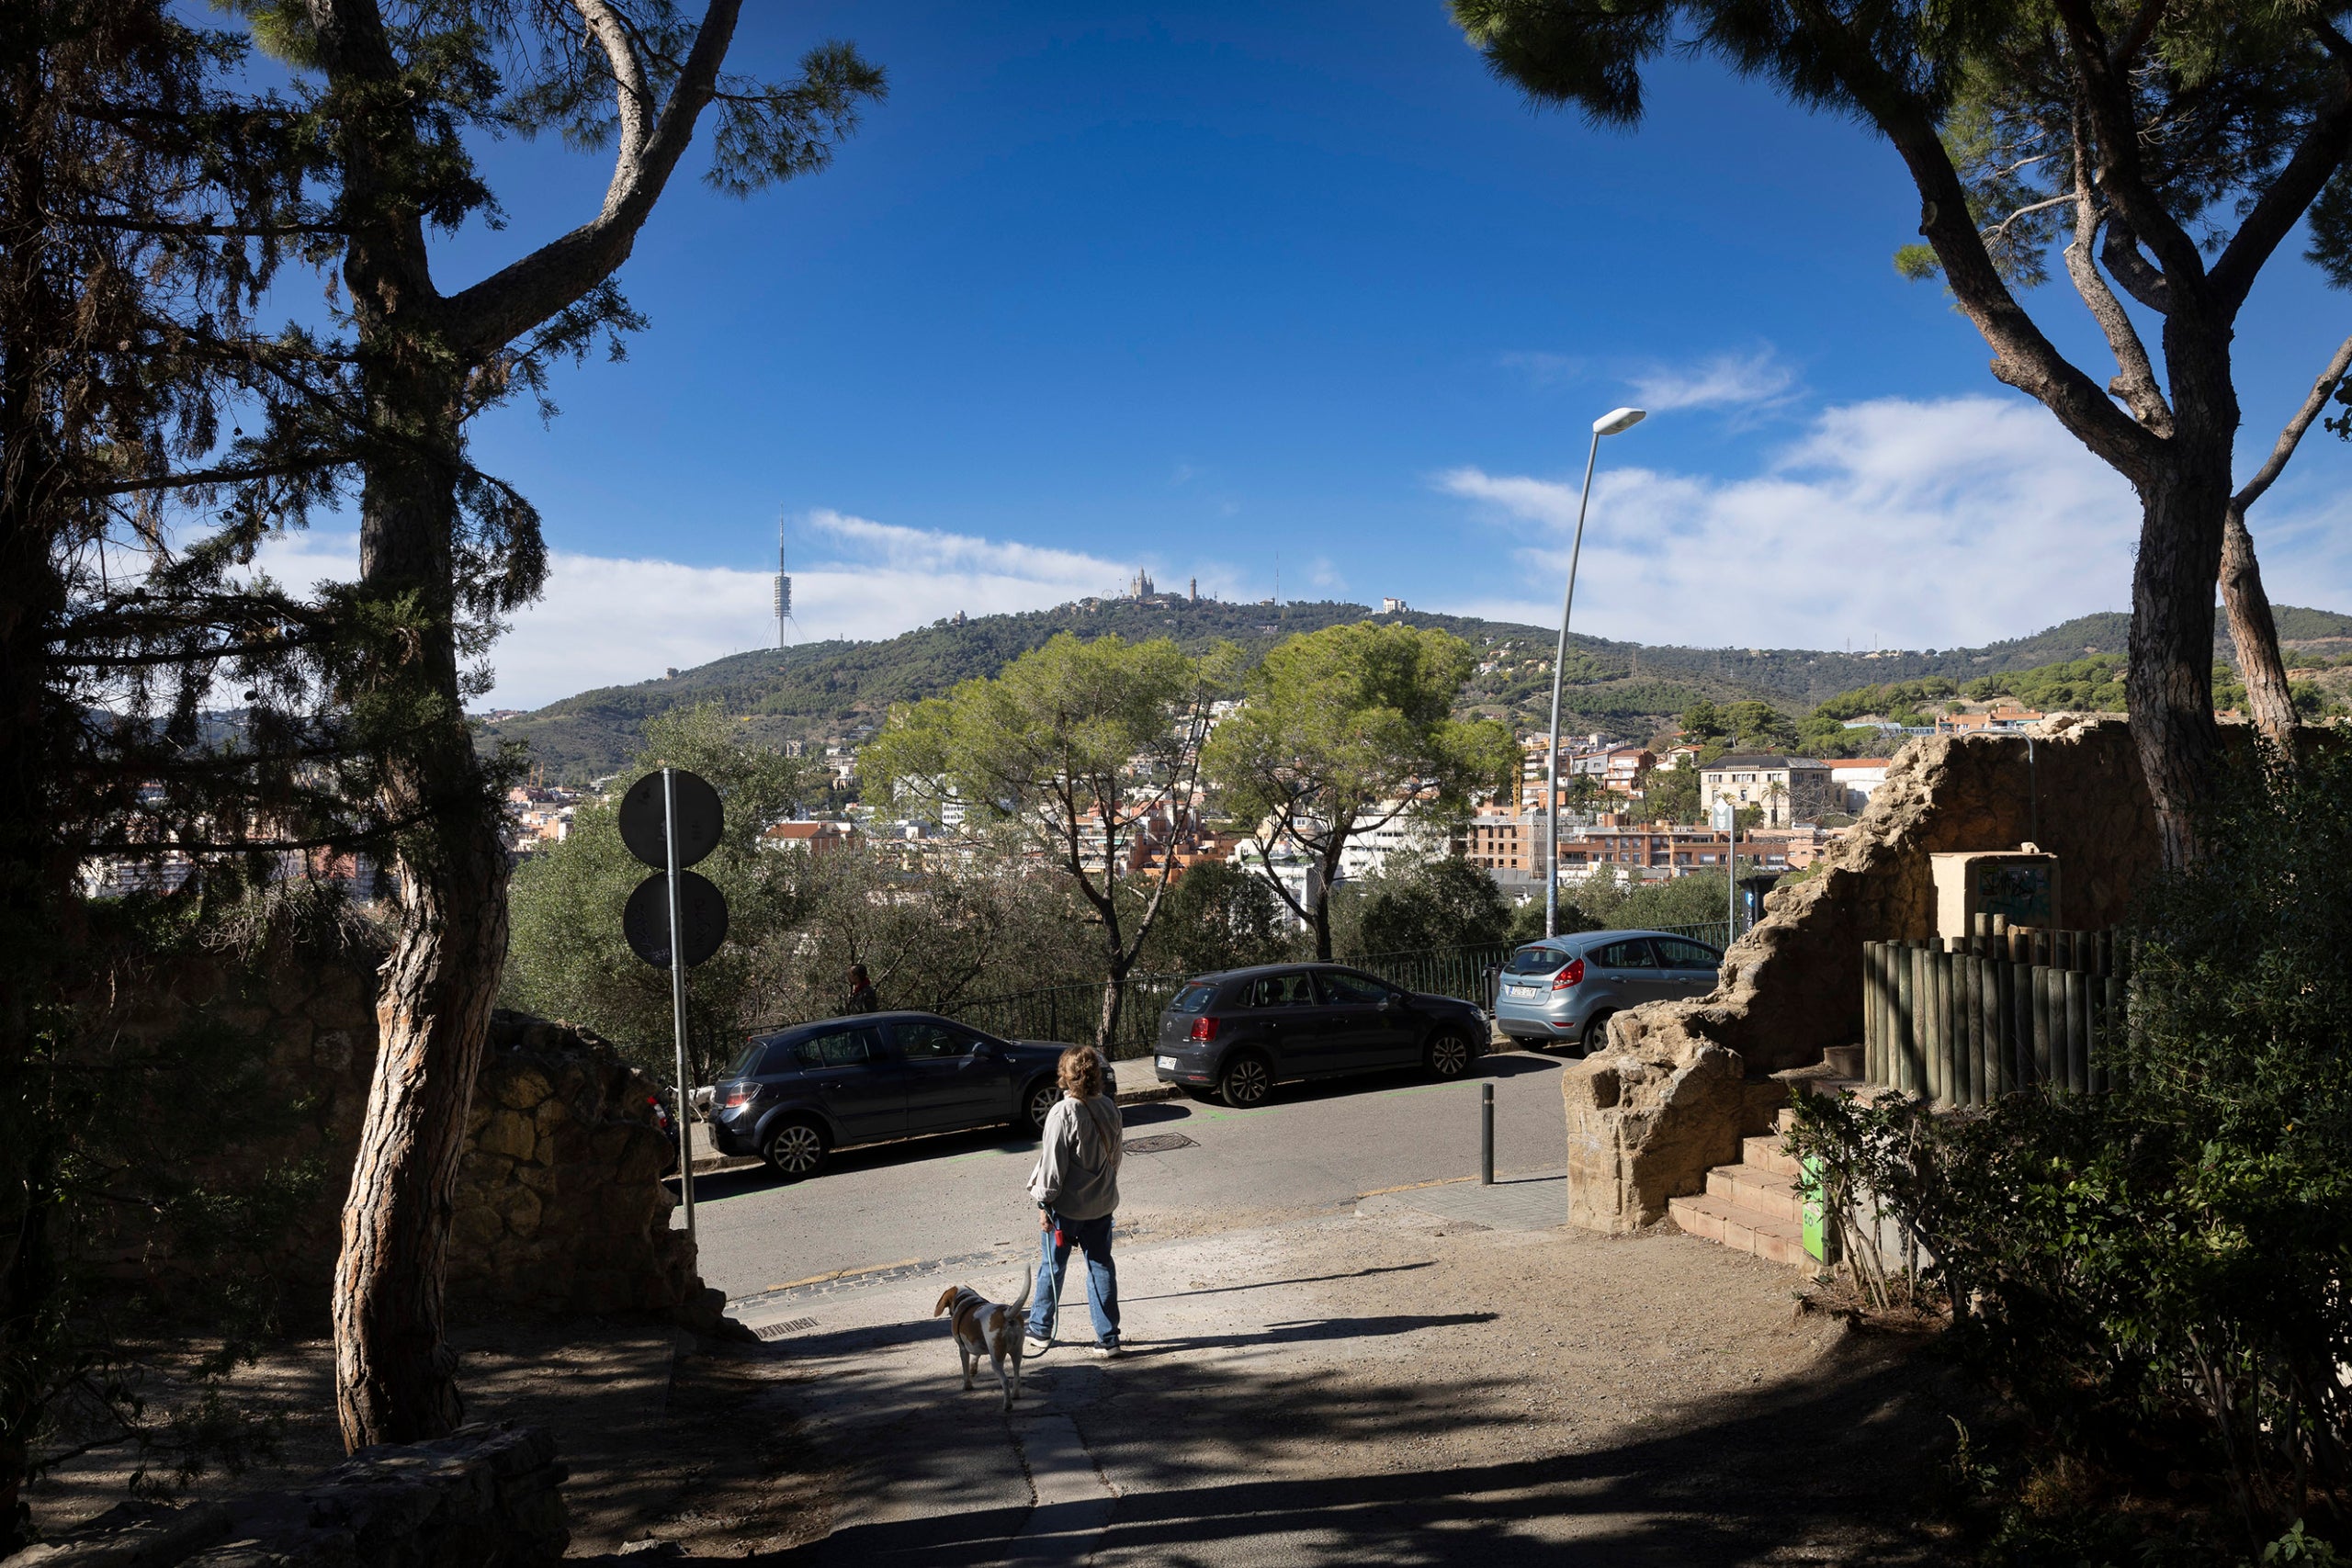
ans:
(1071, 1013)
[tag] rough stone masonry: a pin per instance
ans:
(1680, 1084)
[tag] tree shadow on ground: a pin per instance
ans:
(1221, 1464)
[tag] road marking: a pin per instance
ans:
(839, 1274)
(1415, 1185)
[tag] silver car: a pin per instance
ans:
(1565, 988)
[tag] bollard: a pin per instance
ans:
(1486, 1134)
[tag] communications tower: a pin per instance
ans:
(783, 590)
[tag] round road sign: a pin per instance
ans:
(702, 919)
(700, 818)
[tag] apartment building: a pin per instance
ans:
(1994, 721)
(1788, 789)
(813, 839)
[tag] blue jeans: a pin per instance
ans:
(1093, 1238)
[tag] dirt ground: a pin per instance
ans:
(1384, 1386)
(666, 1438)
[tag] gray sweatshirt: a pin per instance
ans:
(1078, 1164)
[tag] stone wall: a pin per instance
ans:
(560, 1202)
(1680, 1083)
(561, 1206)
(484, 1494)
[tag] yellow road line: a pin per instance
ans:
(1417, 1186)
(844, 1274)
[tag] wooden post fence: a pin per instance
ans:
(1964, 1021)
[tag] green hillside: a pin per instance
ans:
(1625, 689)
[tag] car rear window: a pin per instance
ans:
(1535, 961)
(1193, 998)
(747, 1062)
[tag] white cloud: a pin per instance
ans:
(1542, 369)
(608, 622)
(1727, 380)
(1913, 525)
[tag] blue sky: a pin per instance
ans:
(1192, 286)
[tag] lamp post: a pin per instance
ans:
(1610, 423)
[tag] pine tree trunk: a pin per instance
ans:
(34, 877)
(2169, 684)
(2255, 633)
(394, 1376)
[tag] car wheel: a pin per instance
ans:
(1450, 1055)
(1036, 1100)
(797, 1150)
(1246, 1081)
(1596, 1032)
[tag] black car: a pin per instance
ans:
(795, 1096)
(1235, 1035)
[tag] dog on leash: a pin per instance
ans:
(983, 1327)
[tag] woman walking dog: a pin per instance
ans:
(1076, 1185)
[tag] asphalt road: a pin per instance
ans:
(1312, 1148)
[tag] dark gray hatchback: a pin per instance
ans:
(1234, 1035)
(795, 1096)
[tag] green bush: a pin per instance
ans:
(2157, 1275)
(1434, 904)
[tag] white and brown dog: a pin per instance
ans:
(983, 1327)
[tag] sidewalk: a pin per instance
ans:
(1439, 1376)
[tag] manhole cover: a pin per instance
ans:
(790, 1325)
(1159, 1144)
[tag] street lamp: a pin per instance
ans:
(1610, 423)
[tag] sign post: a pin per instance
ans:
(678, 998)
(670, 821)
(1726, 816)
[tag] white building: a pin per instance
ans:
(1854, 780)
(1407, 834)
(1292, 867)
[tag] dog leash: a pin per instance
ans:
(1058, 1281)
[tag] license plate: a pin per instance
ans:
(1168, 1062)
(1521, 990)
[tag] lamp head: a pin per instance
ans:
(1617, 420)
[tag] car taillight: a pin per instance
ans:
(1572, 976)
(738, 1094)
(1204, 1029)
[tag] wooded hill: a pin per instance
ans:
(1620, 688)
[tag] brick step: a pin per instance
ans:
(1785, 1118)
(1747, 1188)
(1765, 1153)
(1741, 1229)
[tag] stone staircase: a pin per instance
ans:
(1753, 1206)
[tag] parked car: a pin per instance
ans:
(659, 1109)
(1234, 1035)
(793, 1097)
(1565, 988)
